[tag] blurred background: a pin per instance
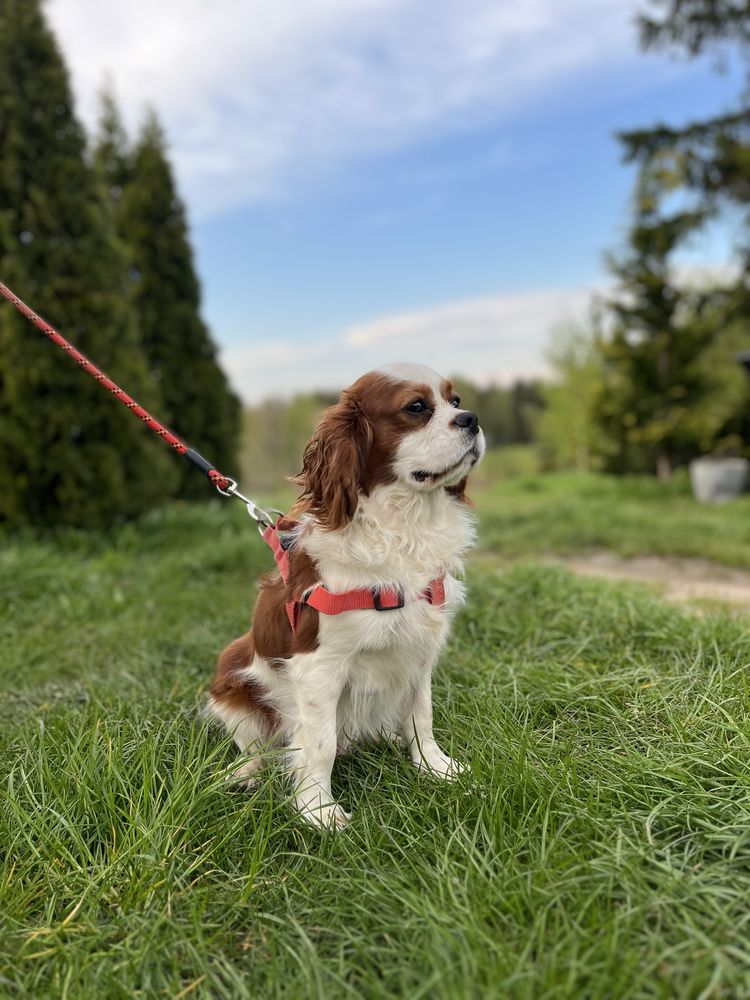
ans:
(236, 210)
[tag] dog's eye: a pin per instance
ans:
(455, 402)
(416, 406)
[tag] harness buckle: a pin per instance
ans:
(378, 604)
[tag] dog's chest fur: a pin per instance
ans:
(395, 538)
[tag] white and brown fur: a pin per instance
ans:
(382, 503)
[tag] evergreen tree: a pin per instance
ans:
(112, 156)
(709, 158)
(150, 218)
(661, 401)
(673, 386)
(69, 453)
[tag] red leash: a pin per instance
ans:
(277, 535)
(225, 485)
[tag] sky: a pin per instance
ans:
(371, 181)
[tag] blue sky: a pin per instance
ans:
(374, 181)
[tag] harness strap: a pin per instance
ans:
(274, 536)
(328, 603)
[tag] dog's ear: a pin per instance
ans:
(334, 464)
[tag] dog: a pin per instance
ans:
(347, 631)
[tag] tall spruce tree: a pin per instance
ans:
(673, 388)
(69, 453)
(151, 221)
(112, 154)
(663, 399)
(710, 157)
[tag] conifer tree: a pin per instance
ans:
(673, 387)
(69, 453)
(710, 157)
(112, 155)
(662, 401)
(151, 220)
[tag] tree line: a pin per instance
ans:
(94, 236)
(275, 432)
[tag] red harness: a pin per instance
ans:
(279, 540)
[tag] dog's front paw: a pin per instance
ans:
(440, 765)
(323, 815)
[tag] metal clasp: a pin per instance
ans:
(263, 518)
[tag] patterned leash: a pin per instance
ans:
(224, 484)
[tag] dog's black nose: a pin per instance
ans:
(468, 420)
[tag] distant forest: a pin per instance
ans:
(275, 432)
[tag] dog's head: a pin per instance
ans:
(402, 424)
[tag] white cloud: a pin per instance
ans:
(516, 317)
(256, 95)
(492, 339)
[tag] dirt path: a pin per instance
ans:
(679, 579)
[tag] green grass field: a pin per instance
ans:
(599, 845)
(532, 515)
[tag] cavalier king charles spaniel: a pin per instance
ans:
(347, 631)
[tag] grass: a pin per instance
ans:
(599, 845)
(538, 514)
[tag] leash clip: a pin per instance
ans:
(261, 517)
